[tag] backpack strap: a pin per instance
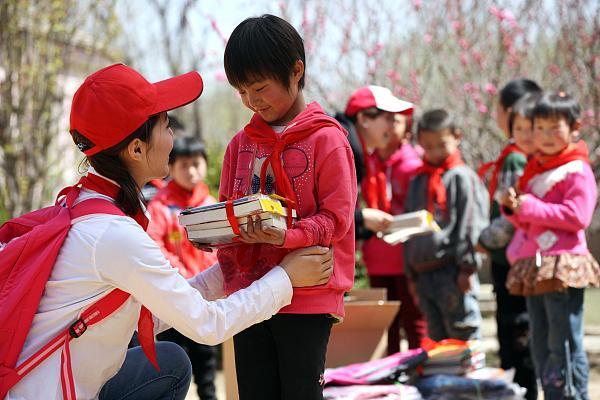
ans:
(92, 315)
(95, 313)
(95, 206)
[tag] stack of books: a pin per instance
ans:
(408, 225)
(210, 226)
(454, 358)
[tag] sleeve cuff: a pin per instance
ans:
(281, 286)
(294, 239)
(209, 283)
(527, 205)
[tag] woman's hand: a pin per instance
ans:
(376, 220)
(256, 233)
(309, 266)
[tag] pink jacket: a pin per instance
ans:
(381, 258)
(558, 207)
(321, 170)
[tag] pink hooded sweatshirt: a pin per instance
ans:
(321, 170)
(558, 207)
(382, 259)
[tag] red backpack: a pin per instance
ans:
(29, 246)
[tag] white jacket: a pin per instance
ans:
(103, 252)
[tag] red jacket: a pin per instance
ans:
(321, 170)
(164, 227)
(379, 257)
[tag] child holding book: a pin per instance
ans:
(515, 108)
(392, 169)
(187, 169)
(443, 265)
(550, 261)
(369, 120)
(296, 151)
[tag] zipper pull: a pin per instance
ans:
(538, 258)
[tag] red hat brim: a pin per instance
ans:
(177, 91)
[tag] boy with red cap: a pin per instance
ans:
(391, 170)
(369, 120)
(297, 151)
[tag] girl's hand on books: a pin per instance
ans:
(376, 220)
(256, 233)
(309, 266)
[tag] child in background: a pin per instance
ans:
(550, 261)
(519, 98)
(300, 153)
(187, 168)
(443, 265)
(151, 188)
(369, 120)
(394, 167)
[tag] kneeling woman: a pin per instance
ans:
(119, 120)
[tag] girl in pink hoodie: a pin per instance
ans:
(550, 261)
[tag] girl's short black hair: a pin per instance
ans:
(524, 107)
(187, 146)
(515, 89)
(436, 120)
(557, 105)
(263, 47)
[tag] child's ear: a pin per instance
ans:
(361, 120)
(297, 72)
(458, 134)
(575, 129)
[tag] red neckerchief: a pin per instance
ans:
(374, 185)
(183, 198)
(103, 186)
(145, 323)
(540, 163)
(157, 183)
(303, 125)
(497, 165)
(436, 191)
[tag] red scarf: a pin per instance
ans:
(183, 198)
(145, 323)
(374, 185)
(103, 186)
(436, 191)
(303, 125)
(541, 163)
(497, 165)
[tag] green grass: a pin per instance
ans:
(591, 310)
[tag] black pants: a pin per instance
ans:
(513, 332)
(283, 358)
(203, 359)
(409, 315)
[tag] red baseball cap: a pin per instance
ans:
(376, 96)
(115, 101)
